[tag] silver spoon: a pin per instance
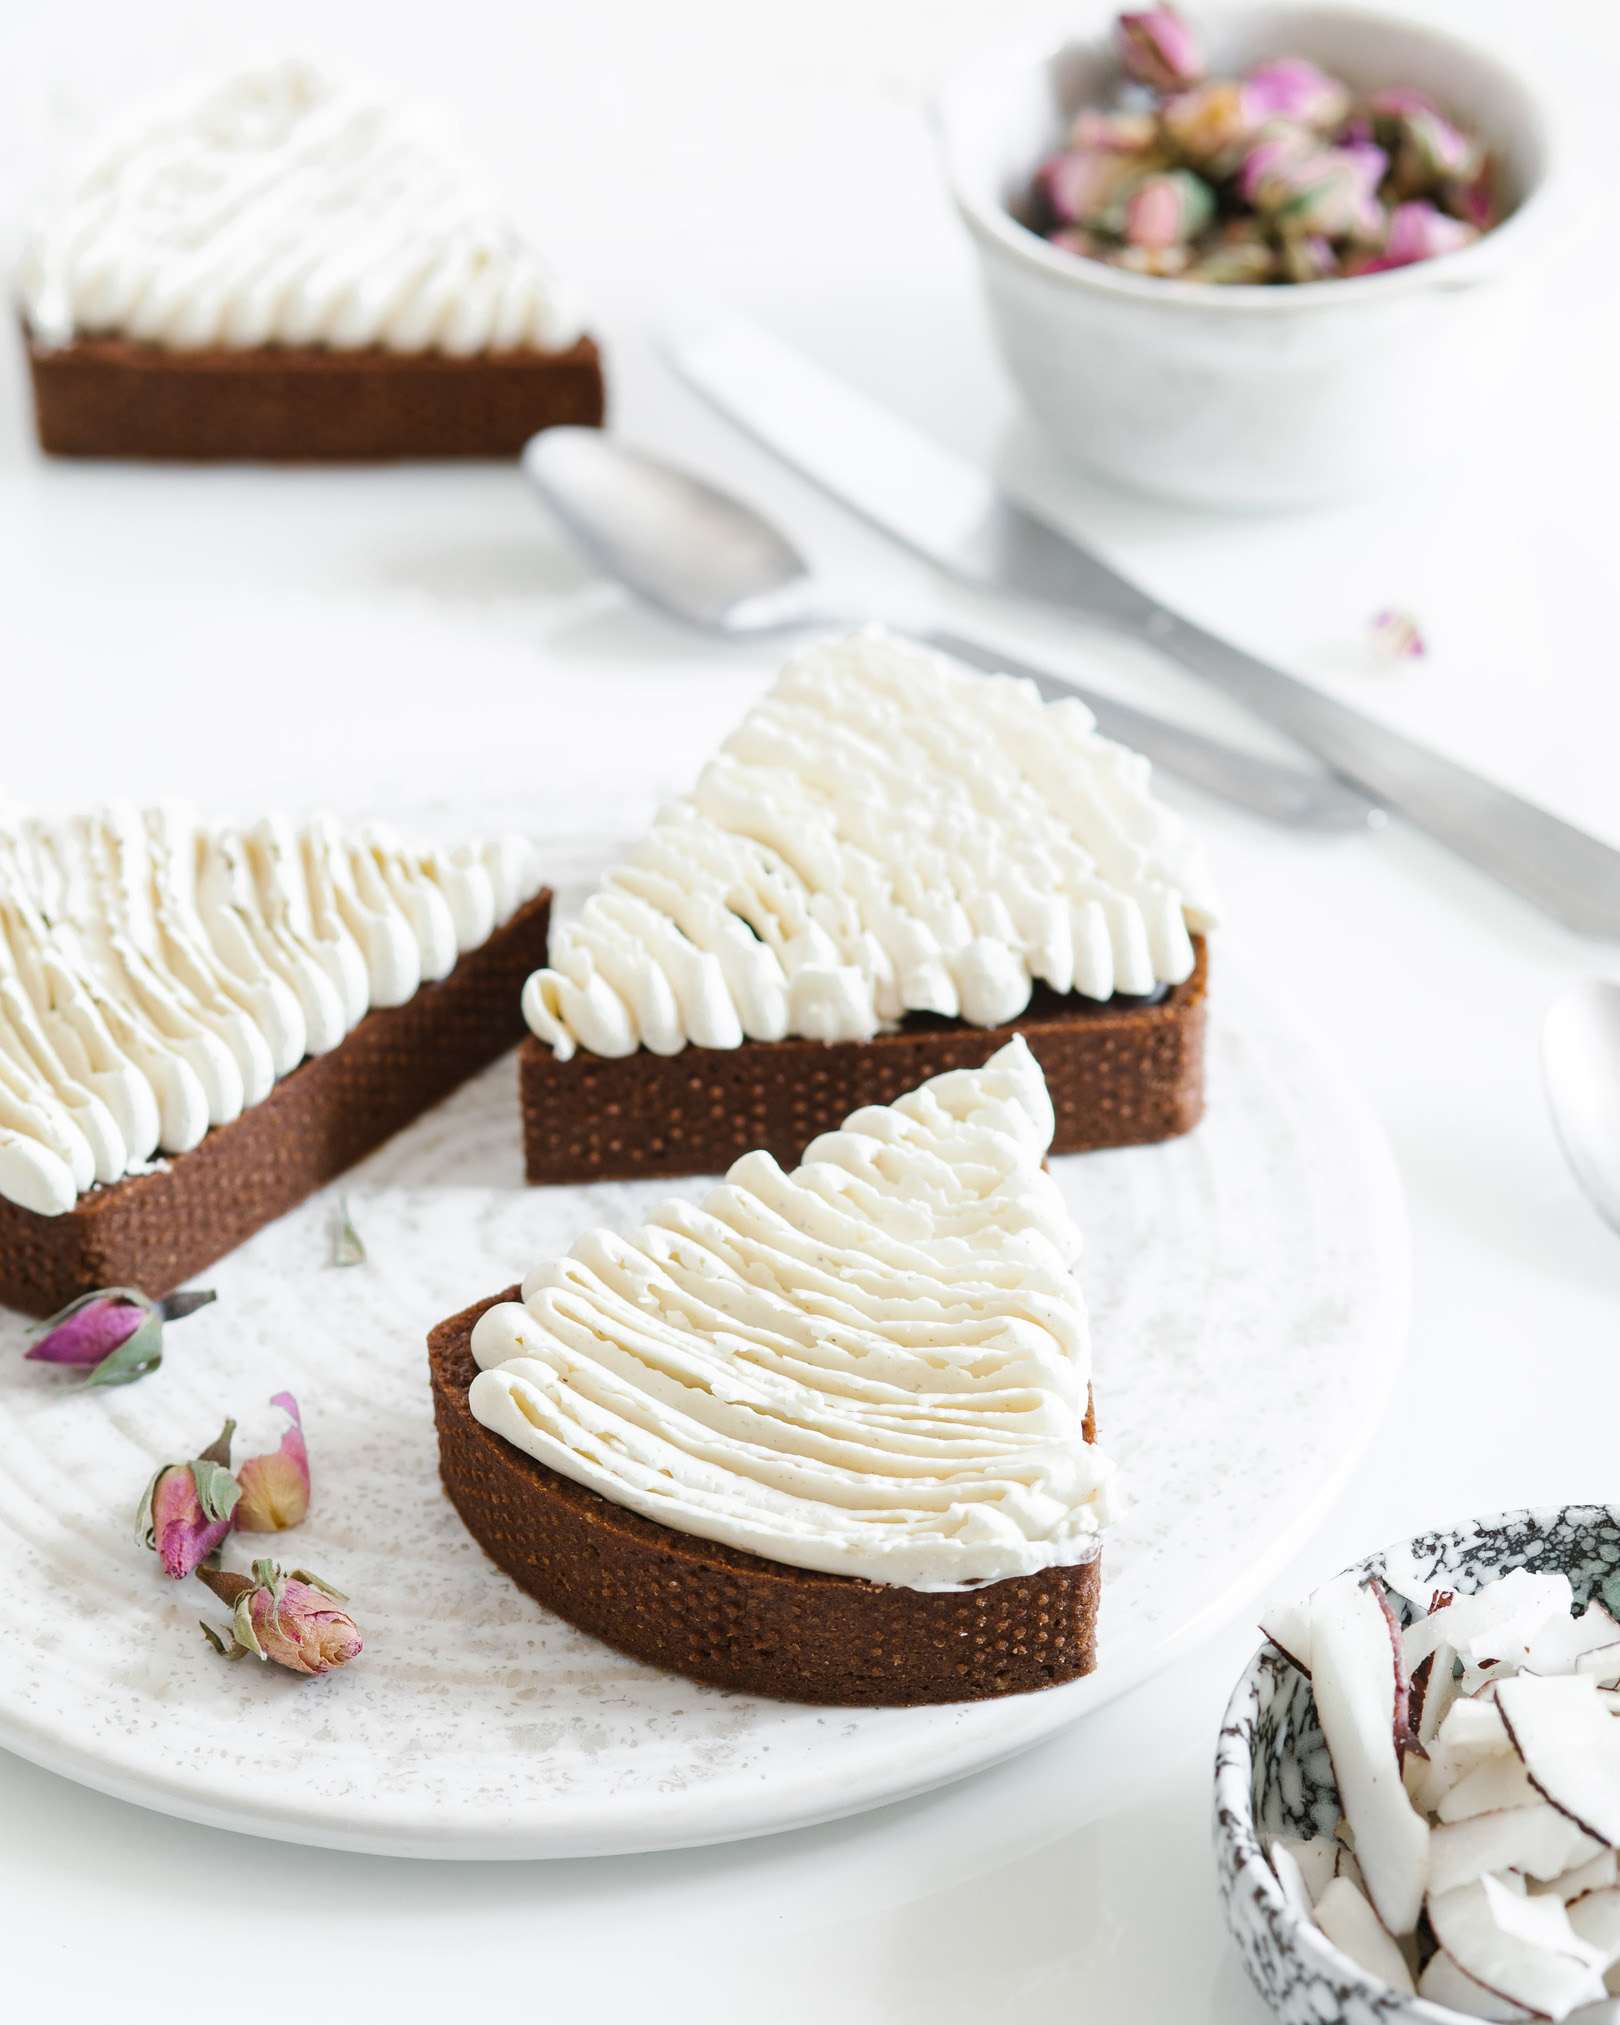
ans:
(706, 558)
(1580, 1065)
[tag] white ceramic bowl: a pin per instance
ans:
(1272, 1775)
(1242, 395)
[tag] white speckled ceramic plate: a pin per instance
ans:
(1248, 1292)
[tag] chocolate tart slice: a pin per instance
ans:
(890, 867)
(112, 397)
(200, 1026)
(827, 1437)
(735, 1619)
(1120, 1074)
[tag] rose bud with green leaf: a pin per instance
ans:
(114, 1335)
(186, 1511)
(1167, 210)
(275, 1487)
(288, 1618)
(1158, 49)
(1293, 88)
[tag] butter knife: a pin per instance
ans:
(952, 513)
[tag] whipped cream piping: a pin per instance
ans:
(884, 833)
(275, 206)
(157, 977)
(877, 1365)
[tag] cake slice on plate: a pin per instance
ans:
(828, 1436)
(890, 864)
(275, 265)
(200, 1027)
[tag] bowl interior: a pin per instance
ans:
(1002, 116)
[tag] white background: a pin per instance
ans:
(383, 637)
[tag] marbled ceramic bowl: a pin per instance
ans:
(1272, 1775)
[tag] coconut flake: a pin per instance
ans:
(1442, 1982)
(1288, 1626)
(1354, 1684)
(1356, 1930)
(1523, 1949)
(1570, 1745)
(1537, 1840)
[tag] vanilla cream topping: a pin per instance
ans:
(884, 833)
(877, 1365)
(156, 977)
(276, 206)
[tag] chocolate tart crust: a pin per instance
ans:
(154, 1231)
(1118, 1076)
(735, 1619)
(112, 397)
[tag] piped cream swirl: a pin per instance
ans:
(156, 977)
(877, 1365)
(277, 207)
(884, 833)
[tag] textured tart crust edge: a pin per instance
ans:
(1118, 1076)
(154, 1231)
(112, 397)
(733, 1619)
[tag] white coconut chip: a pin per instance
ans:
(1353, 1682)
(1497, 1623)
(1500, 1782)
(1595, 1916)
(1570, 1745)
(1523, 1949)
(1315, 1861)
(1288, 1626)
(1536, 1841)
(1356, 1930)
(1597, 1875)
(1442, 1982)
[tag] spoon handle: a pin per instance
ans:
(1287, 794)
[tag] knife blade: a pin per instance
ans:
(952, 513)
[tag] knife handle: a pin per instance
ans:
(1285, 794)
(1570, 875)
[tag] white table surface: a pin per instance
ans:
(383, 637)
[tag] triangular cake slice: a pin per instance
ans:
(827, 1436)
(199, 1026)
(273, 263)
(891, 864)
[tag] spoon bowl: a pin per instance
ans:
(1580, 1066)
(710, 560)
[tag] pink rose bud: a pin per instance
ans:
(1078, 187)
(1167, 210)
(91, 1328)
(1112, 133)
(1475, 202)
(1332, 193)
(1431, 150)
(290, 1619)
(186, 1511)
(1417, 231)
(1290, 88)
(1397, 102)
(1309, 259)
(1158, 49)
(275, 1487)
(1209, 125)
(1396, 636)
(1263, 179)
(113, 1335)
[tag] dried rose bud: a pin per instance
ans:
(1431, 150)
(1209, 125)
(113, 1335)
(1311, 258)
(1084, 245)
(1263, 178)
(1396, 637)
(1474, 203)
(1080, 187)
(1334, 194)
(1166, 262)
(1399, 100)
(1417, 231)
(275, 1487)
(1158, 49)
(287, 1618)
(1291, 88)
(185, 1513)
(1167, 209)
(1096, 131)
(1242, 253)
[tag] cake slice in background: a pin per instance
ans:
(275, 265)
(827, 1437)
(201, 1026)
(891, 865)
